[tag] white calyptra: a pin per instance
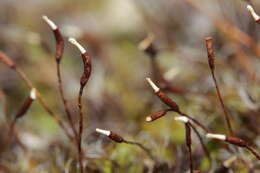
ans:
(216, 136)
(182, 119)
(33, 94)
(79, 46)
(50, 22)
(148, 119)
(103, 132)
(253, 13)
(155, 88)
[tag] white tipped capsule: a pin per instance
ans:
(216, 136)
(103, 132)
(182, 119)
(148, 119)
(33, 94)
(79, 46)
(253, 13)
(50, 22)
(155, 88)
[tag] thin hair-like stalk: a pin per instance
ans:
(211, 58)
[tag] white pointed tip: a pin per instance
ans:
(155, 88)
(33, 94)
(148, 119)
(76, 43)
(253, 13)
(103, 132)
(182, 119)
(49, 22)
(216, 136)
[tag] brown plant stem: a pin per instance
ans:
(81, 120)
(64, 100)
(201, 142)
(226, 115)
(211, 62)
(141, 146)
(188, 144)
(252, 150)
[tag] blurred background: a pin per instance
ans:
(117, 96)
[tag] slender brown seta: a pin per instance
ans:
(201, 141)
(211, 56)
(119, 139)
(83, 81)
(169, 102)
(234, 141)
(186, 121)
(58, 56)
(253, 14)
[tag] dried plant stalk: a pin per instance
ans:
(188, 143)
(211, 56)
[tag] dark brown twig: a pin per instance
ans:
(211, 58)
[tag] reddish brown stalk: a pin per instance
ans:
(83, 81)
(211, 57)
(65, 103)
(119, 139)
(188, 144)
(58, 57)
(201, 141)
(3, 58)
